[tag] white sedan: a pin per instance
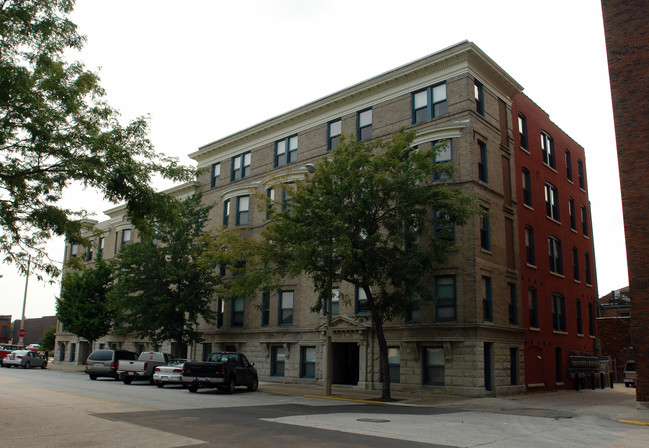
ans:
(24, 358)
(171, 373)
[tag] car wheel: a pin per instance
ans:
(127, 380)
(193, 388)
(231, 385)
(27, 365)
(160, 384)
(93, 377)
(252, 387)
(44, 365)
(626, 384)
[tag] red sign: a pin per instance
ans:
(22, 333)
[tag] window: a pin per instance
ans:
(571, 212)
(587, 264)
(513, 366)
(286, 195)
(429, 103)
(101, 245)
(434, 366)
(547, 147)
(364, 120)
(265, 309)
(482, 163)
(551, 202)
(591, 320)
(226, 212)
(534, 310)
(442, 229)
(580, 329)
(89, 254)
(220, 308)
(527, 187)
(529, 246)
(307, 362)
(513, 309)
(568, 166)
(444, 154)
(215, 175)
(335, 302)
(285, 151)
(575, 263)
(584, 220)
(286, 308)
(362, 305)
(240, 166)
(558, 312)
(487, 302)
(554, 251)
(74, 250)
(413, 310)
(522, 130)
(580, 173)
(126, 237)
(557, 364)
(334, 129)
(445, 298)
(237, 312)
(485, 237)
(278, 359)
(243, 210)
(394, 363)
(270, 194)
(478, 92)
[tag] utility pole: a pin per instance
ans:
(22, 321)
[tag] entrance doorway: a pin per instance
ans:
(345, 363)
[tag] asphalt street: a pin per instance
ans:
(58, 408)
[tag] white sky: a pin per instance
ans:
(206, 69)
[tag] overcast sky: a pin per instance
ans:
(206, 69)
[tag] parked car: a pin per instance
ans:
(24, 358)
(171, 373)
(223, 370)
(105, 362)
(629, 374)
(33, 347)
(142, 369)
(5, 349)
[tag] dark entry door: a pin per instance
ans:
(345, 365)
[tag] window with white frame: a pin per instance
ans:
(551, 201)
(547, 148)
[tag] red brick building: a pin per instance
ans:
(557, 263)
(5, 329)
(627, 42)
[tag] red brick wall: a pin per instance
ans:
(627, 43)
(617, 342)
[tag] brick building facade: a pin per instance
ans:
(5, 329)
(472, 340)
(627, 41)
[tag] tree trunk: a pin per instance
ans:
(384, 366)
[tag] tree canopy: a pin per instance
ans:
(366, 217)
(83, 307)
(162, 290)
(56, 130)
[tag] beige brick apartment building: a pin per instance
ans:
(470, 342)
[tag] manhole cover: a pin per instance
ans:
(373, 420)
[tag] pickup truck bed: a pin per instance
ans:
(142, 369)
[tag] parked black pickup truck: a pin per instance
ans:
(223, 370)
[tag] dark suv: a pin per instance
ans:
(105, 362)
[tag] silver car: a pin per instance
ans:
(171, 373)
(24, 358)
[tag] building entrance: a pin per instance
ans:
(345, 363)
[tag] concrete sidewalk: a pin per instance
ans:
(617, 404)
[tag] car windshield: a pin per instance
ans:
(177, 362)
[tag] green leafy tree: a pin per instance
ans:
(47, 341)
(162, 290)
(83, 307)
(56, 131)
(365, 217)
